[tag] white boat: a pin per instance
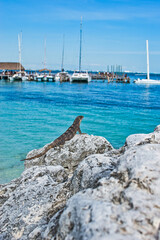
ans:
(57, 77)
(80, 76)
(19, 76)
(44, 74)
(39, 77)
(62, 77)
(48, 77)
(147, 80)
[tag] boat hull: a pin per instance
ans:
(16, 79)
(85, 80)
(80, 78)
(62, 77)
(57, 78)
(147, 81)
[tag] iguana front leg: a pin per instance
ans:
(79, 130)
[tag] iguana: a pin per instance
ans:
(66, 136)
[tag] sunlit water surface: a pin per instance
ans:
(35, 113)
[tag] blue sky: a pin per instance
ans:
(114, 32)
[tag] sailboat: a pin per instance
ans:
(147, 80)
(44, 74)
(79, 75)
(62, 76)
(21, 75)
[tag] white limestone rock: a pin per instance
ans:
(140, 139)
(136, 139)
(124, 204)
(72, 152)
(113, 194)
(91, 170)
(30, 201)
(157, 129)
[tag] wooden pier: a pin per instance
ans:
(40, 76)
(111, 77)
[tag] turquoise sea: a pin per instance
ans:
(35, 113)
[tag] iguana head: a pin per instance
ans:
(78, 119)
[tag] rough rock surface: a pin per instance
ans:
(91, 170)
(28, 202)
(112, 194)
(124, 204)
(71, 153)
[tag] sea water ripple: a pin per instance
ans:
(34, 113)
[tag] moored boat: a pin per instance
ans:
(19, 76)
(80, 76)
(39, 77)
(62, 77)
(48, 77)
(147, 80)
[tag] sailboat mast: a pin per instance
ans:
(62, 54)
(19, 47)
(45, 53)
(148, 77)
(80, 52)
